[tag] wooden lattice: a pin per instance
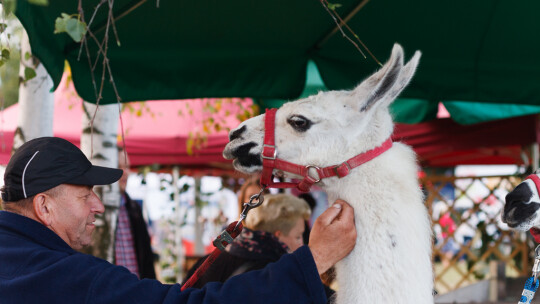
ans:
(468, 232)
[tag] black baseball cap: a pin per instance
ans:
(46, 162)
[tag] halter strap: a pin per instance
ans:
(271, 162)
(536, 181)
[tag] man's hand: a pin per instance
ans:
(333, 235)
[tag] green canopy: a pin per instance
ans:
(412, 111)
(486, 51)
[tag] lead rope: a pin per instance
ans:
(225, 238)
(531, 285)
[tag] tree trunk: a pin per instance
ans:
(99, 145)
(36, 102)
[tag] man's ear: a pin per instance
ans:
(42, 208)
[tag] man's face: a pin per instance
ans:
(73, 214)
(123, 164)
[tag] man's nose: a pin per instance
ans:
(97, 205)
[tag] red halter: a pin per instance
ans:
(536, 181)
(271, 162)
(535, 232)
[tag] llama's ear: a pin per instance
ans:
(380, 86)
(405, 76)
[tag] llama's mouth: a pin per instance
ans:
(522, 224)
(243, 159)
(519, 215)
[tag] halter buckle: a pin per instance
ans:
(342, 170)
(273, 148)
(318, 172)
(223, 240)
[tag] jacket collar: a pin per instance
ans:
(32, 230)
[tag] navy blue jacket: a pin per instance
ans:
(37, 266)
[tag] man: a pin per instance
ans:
(50, 210)
(132, 244)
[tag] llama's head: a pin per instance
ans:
(521, 210)
(330, 127)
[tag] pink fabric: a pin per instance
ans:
(155, 131)
(445, 143)
(124, 246)
(447, 224)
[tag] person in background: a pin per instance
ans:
(281, 217)
(249, 187)
(271, 230)
(132, 245)
(50, 210)
(310, 200)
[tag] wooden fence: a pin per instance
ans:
(468, 231)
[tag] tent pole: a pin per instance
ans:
(199, 247)
(178, 224)
(535, 156)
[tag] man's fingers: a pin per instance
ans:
(347, 218)
(328, 216)
(333, 235)
(348, 212)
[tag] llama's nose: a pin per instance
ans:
(236, 133)
(519, 213)
(522, 194)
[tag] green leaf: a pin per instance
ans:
(76, 29)
(29, 73)
(189, 146)
(39, 2)
(27, 56)
(9, 6)
(70, 25)
(333, 6)
(5, 54)
(60, 24)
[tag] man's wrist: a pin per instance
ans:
(322, 264)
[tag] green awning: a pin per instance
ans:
(412, 111)
(486, 51)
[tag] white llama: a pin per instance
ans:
(391, 262)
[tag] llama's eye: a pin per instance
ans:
(299, 123)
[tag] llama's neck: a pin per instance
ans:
(392, 256)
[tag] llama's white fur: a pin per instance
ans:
(521, 210)
(391, 262)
